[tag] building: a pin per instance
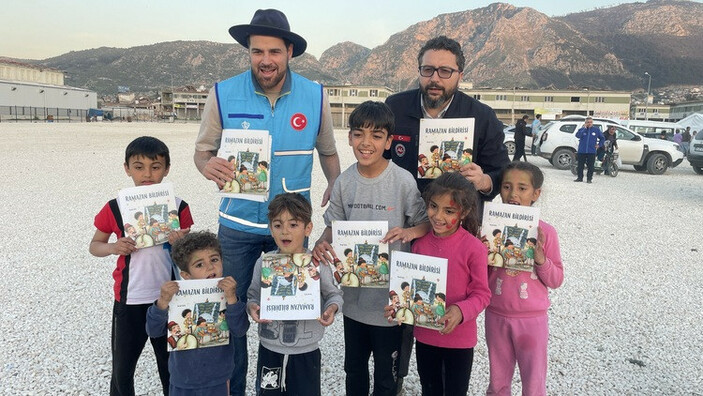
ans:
(511, 104)
(344, 99)
(29, 92)
(185, 103)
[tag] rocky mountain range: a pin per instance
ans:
(505, 46)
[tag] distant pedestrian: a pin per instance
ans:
(520, 132)
(536, 124)
(677, 137)
(686, 140)
(590, 138)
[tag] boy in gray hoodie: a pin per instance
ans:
(289, 356)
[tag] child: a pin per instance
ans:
(372, 189)
(516, 319)
(262, 176)
(201, 371)
(444, 358)
(289, 354)
(140, 272)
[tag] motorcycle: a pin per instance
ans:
(609, 164)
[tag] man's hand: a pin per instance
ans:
(403, 235)
(175, 235)
(215, 168)
(473, 173)
(229, 285)
(168, 290)
(451, 319)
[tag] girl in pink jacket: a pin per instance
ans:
(517, 328)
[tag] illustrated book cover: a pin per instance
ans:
(445, 145)
(149, 213)
(249, 153)
(510, 233)
(418, 289)
(363, 261)
(290, 287)
(196, 316)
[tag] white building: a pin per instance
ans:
(41, 95)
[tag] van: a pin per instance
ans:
(653, 129)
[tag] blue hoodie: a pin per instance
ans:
(587, 139)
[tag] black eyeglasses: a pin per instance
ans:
(442, 72)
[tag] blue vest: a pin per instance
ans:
(293, 123)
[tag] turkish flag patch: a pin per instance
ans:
(298, 121)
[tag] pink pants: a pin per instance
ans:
(521, 340)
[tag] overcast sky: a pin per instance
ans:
(39, 29)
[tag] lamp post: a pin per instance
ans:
(646, 101)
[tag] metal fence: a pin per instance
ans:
(53, 114)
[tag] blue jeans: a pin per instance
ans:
(240, 250)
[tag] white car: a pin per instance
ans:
(509, 140)
(557, 142)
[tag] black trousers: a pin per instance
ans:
(360, 340)
(588, 160)
(128, 340)
(443, 371)
(293, 375)
(519, 150)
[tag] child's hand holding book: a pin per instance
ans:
(229, 285)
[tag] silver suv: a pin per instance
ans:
(557, 142)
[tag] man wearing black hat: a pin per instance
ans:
(296, 113)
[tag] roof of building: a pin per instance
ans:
(28, 65)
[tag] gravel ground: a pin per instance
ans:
(626, 321)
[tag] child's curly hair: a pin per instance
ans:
(183, 248)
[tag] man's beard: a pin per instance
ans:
(270, 83)
(440, 101)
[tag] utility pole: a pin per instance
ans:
(646, 102)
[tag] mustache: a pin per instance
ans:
(434, 86)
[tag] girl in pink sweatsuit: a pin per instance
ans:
(517, 328)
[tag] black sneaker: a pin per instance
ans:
(578, 180)
(588, 181)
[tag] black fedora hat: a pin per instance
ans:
(268, 23)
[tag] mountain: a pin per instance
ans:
(504, 46)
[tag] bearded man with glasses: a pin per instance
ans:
(441, 67)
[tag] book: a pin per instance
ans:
(510, 233)
(196, 316)
(149, 213)
(249, 153)
(418, 289)
(290, 287)
(445, 145)
(363, 259)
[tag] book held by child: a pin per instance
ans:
(445, 145)
(418, 289)
(249, 153)
(196, 316)
(149, 213)
(510, 233)
(290, 287)
(363, 259)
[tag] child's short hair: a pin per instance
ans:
(137, 215)
(441, 296)
(372, 114)
(183, 248)
(294, 203)
(347, 251)
(383, 255)
(149, 147)
(404, 285)
(264, 163)
(185, 312)
(533, 240)
(496, 232)
(200, 321)
(173, 212)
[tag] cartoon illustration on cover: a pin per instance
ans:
(510, 232)
(290, 287)
(149, 213)
(365, 261)
(196, 315)
(418, 289)
(247, 151)
(445, 145)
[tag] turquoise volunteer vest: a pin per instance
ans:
(293, 124)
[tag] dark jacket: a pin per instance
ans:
(520, 131)
(488, 149)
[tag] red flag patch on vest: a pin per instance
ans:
(298, 121)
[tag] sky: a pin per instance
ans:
(40, 29)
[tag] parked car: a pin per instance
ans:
(653, 129)
(557, 142)
(509, 140)
(695, 153)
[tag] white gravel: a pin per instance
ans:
(626, 321)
